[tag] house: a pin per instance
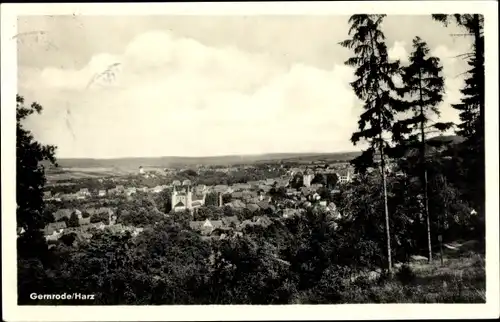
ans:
(20, 231)
(252, 207)
(307, 204)
(254, 199)
(262, 220)
(157, 189)
(305, 191)
(83, 193)
(230, 221)
(307, 177)
(222, 189)
(205, 227)
(269, 182)
(69, 196)
(237, 195)
(47, 195)
(266, 206)
(265, 188)
(281, 183)
(84, 221)
(100, 225)
(241, 186)
(101, 193)
(119, 189)
(289, 212)
(236, 204)
(54, 227)
(61, 213)
(142, 189)
(201, 188)
(344, 176)
(316, 186)
(130, 191)
(137, 231)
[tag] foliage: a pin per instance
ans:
(100, 217)
(139, 212)
(30, 181)
(73, 220)
(211, 199)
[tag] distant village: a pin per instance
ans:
(291, 193)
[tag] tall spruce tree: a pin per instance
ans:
(374, 86)
(422, 91)
(471, 107)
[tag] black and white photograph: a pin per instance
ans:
(245, 158)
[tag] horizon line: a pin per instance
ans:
(206, 156)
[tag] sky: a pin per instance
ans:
(205, 85)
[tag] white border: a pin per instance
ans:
(12, 312)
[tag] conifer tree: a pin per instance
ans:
(422, 91)
(472, 104)
(374, 86)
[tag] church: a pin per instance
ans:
(183, 197)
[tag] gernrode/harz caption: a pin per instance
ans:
(250, 160)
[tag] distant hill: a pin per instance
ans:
(212, 160)
(449, 139)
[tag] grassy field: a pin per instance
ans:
(460, 279)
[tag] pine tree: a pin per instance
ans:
(374, 85)
(422, 91)
(472, 105)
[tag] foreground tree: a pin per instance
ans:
(422, 91)
(374, 85)
(471, 107)
(30, 181)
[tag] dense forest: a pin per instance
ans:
(434, 196)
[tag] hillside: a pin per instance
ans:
(212, 160)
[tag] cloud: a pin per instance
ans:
(398, 51)
(453, 67)
(176, 96)
(173, 95)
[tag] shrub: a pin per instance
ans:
(406, 275)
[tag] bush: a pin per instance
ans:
(406, 275)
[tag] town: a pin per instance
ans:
(218, 210)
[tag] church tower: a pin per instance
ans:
(174, 197)
(189, 197)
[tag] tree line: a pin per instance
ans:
(396, 120)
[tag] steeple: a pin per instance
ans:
(189, 197)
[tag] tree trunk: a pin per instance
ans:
(424, 170)
(384, 183)
(386, 208)
(426, 206)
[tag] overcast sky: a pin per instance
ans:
(200, 85)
